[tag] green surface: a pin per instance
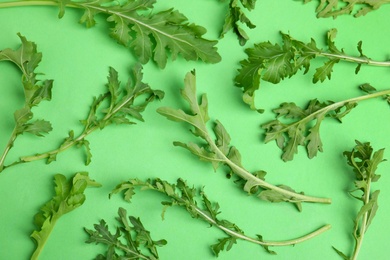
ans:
(78, 59)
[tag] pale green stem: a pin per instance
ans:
(363, 227)
(7, 149)
(256, 241)
(359, 60)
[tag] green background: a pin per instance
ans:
(78, 58)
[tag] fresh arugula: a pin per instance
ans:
(364, 163)
(27, 59)
(220, 152)
(304, 130)
(149, 35)
(274, 62)
(335, 8)
(199, 206)
(129, 238)
(119, 105)
(69, 195)
(236, 16)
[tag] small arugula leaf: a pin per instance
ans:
(304, 130)
(197, 204)
(119, 105)
(219, 151)
(364, 162)
(237, 16)
(335, 8)
(69, 195)
(274, 62)
(150, 35)
(129, 240)
(27, 59)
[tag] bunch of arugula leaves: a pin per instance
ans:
(180, 194)
(119, 105)
(274, 62)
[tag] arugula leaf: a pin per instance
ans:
(197, 204)
(274, 62)
(149, 35)
(119, 105)
(335, 8)
(220, 152)
(364, 163)
(305, 128)
(134, 234)
(236, 16)
(27, 59)
(69, 195)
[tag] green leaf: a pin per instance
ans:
(275, 62)
(69, 194)
(149, 34)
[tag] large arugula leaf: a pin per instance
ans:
(131, 239)
(220, 152)
(27, 59)
(197, 204)
(303, 127)
(364, 162)
(274, 62)
(69, 195)
(148, 34)
(335, 8)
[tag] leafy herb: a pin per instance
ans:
(117, 106)
(136, 238)
(220, 152)
(148, 34)
(236, 16)
(184, 196)
(305, 128)
(274, 62)
(335, 8)
(27, 59)
(69, 196)
(364, 163)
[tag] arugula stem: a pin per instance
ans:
(135, 253)
(256, 241)
(7, 149)
(362, 231)
(249, 176)
(359, 60)
(44, 237)
(337, 105)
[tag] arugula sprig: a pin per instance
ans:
(148, 34)
(69, 195)
(119, 105)
(304, 130)
(27, 59)
(236, 16)
(335, 8)
(364, 163)
(199, 206)
(220, 152)
(274, 62)
(130, 238)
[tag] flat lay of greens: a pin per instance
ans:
(210, 129)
